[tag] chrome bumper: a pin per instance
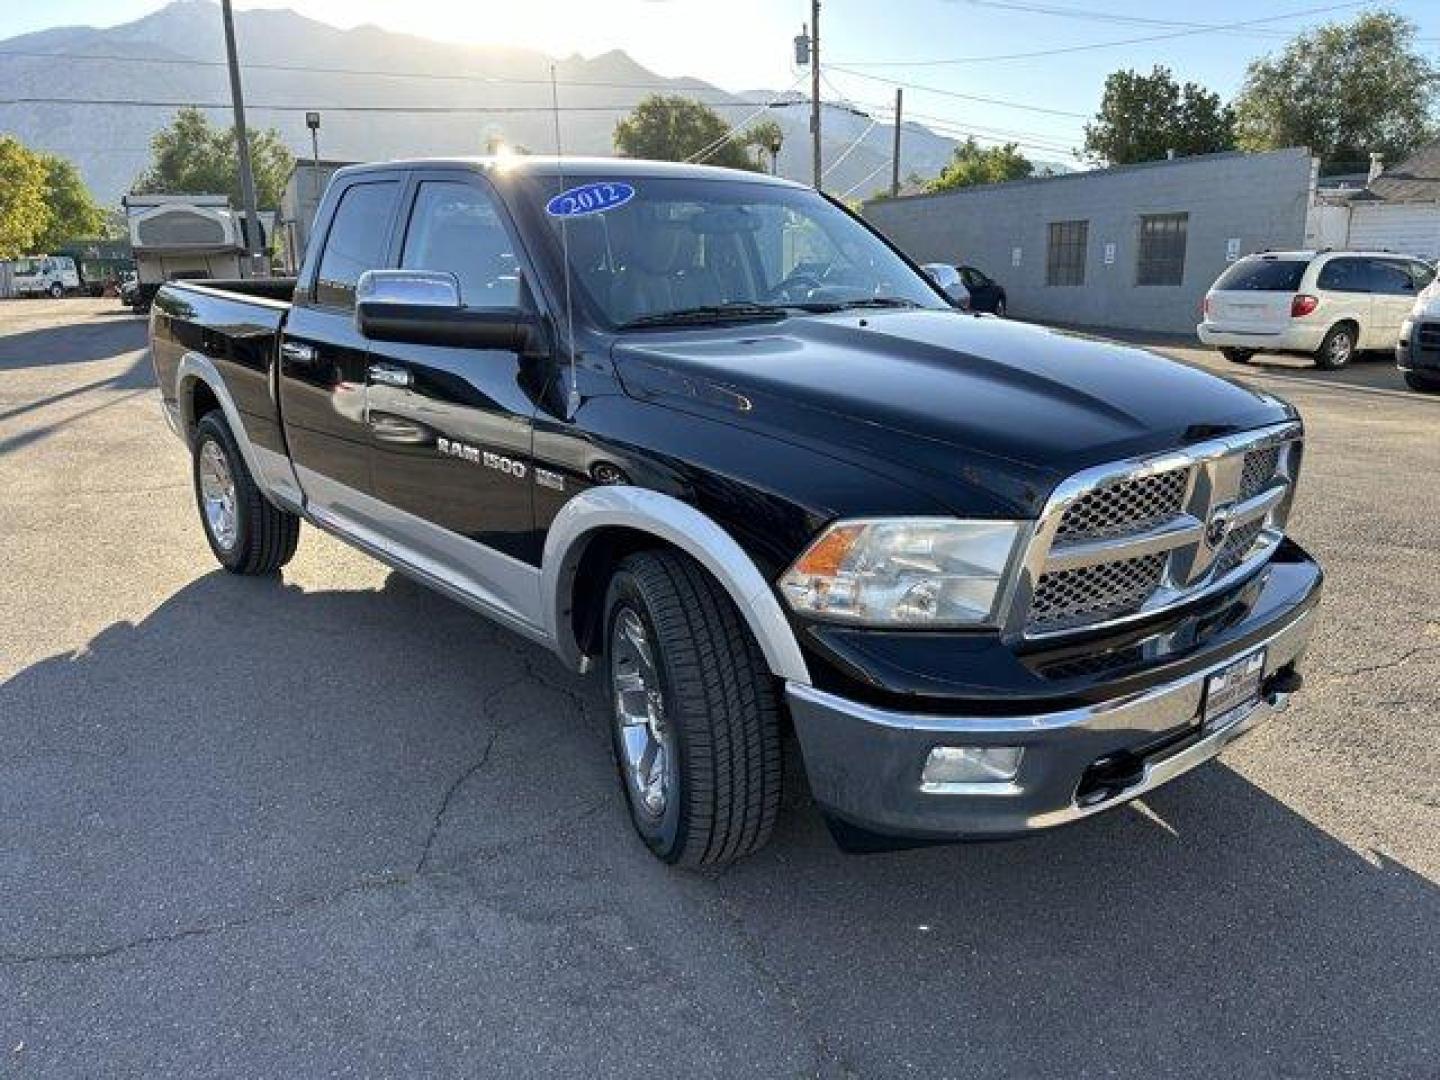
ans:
(865, 763)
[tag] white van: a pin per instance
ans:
(1328, 304)
(45, 275)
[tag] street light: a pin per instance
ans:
(312, 121)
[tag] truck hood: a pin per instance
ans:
(987, 414)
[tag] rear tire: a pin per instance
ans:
(1426, 384)
(247, 532)
(1237, 356)
(1000, 308)
(695, 714)
(1338, 348)
(56, 290)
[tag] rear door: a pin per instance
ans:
(1254, 295)
(451, 427)
(323, 356)
(1343, 286)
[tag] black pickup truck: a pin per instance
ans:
(709, 432)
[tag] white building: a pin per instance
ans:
(1397, 210)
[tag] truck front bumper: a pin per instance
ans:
(865, 764)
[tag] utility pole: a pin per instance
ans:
(815, 88)
(895, 154)
(255, 245)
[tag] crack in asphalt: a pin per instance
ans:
(1386, 665)
(101, 952)
(367, 885)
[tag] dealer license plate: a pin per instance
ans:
(1233, 690)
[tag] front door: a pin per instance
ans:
(450, 427)
(1393, 288)
(323, 359)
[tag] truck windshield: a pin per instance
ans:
(1263, 275)
(697, 250)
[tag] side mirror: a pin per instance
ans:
(423, 307)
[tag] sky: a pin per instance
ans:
(956, 50)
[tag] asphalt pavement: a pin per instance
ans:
(332, 824)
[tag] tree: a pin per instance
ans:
(24, 214)
(1143, 116)
(669, 128)
(73, 213)
(193, 157)
(766, 138)
(1344, 91)
(975, 164)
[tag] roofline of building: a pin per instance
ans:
(1179, 162)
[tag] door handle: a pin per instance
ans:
(297, 353)
(389, 375)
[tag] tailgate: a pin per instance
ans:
(1250, 311)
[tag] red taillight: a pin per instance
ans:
(1205, 308)
(1303, 305)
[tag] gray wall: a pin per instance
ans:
(1259, 199)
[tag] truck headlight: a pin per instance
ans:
(921, 572)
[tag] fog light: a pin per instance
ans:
(970, 765)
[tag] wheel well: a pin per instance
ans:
(202, 400)
(605, 548)
(1351, 323)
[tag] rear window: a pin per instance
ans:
(1263, 275)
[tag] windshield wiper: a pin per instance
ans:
(824, 307)
(707, 313)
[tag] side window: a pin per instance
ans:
(1065, 252)
(1391, 278)
(356, 241)
(1344, 275)
(455, 227)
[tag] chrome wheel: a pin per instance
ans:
(644, 742)
(1340, 349)
(217, 494)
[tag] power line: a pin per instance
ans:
(151, 103)
(1192, 30)
(431, 76)
(956, 94)
(705, 153)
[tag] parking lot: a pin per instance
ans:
(337, 825)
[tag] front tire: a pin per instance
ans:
(1338, 348)
(247, 532)
(695, 714)
(1237, 356)
(1000, 308)
(56, 290)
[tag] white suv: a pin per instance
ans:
(1329, 304)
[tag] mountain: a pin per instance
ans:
(295, 61)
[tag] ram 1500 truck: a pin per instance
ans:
(707, 431)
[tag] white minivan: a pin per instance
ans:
(1327, 304)
(45, 275)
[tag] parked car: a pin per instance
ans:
(1417, 353)
(999, 578)
(948, 279)
(986, 294)
(1329, 304)
(45, 275)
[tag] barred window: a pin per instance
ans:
(1065, 254)
(1161, 259)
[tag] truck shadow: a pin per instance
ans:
(259, 741)
(94, 338)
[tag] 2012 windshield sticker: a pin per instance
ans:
(594, 198)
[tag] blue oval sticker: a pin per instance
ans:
(592, 198)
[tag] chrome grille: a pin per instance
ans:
(1121, 506)
(1066, 597)
(1260, 468)
(1233, 553)
(1137, 537)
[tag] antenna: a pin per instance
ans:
(574, 401)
